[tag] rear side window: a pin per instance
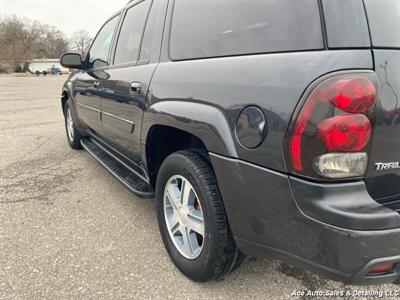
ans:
(346, 24)
(149, 36)
(384, 21)
(232, 27)
(130, 37)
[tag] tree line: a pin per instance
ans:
(22, 40)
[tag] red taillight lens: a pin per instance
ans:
(336, 117)
(345, 133)
(298, 131)
(353, 95)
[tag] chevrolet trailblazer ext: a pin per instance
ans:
(262, 128)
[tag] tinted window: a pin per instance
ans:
(346, 23)
(228, 27)
(130, 36)
(384, 21)
(101, 45)
(149, 31)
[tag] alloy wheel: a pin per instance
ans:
(184, 216)
(70, 125)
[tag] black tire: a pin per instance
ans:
(219, 255)
(44, 73)
(37, 73)
(74, 140)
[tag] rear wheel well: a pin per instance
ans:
(163, 141)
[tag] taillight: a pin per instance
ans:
(381, 268)
(345, 132)
(330, 135)
(353, 94)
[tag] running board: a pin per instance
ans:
(126, 175)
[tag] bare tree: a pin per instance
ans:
(80, 42)
(22, 39)
(54, 42)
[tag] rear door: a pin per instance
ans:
(383, 175)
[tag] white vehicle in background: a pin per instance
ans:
(46, 66)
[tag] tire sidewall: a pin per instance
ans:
(76, 142)
(199, 267)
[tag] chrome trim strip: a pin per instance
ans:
(119, 118)
(89, 107)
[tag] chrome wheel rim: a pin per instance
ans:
(184, 217)
(70, 125)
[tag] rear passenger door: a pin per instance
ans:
(125, 88)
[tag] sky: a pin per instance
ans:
(66, 15)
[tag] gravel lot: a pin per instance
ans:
(69, 230)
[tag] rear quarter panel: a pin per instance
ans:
(272, 82)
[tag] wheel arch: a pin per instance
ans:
(64, 98)
(66, 95)
(171, 126)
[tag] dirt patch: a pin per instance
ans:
(41, 179)
(310, 282)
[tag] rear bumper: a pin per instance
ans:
(334, 230)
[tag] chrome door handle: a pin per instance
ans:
(136, 87)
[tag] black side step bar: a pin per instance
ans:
(121, 171)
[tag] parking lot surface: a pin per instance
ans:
(70, 230)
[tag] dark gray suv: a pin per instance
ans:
(261, 128)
